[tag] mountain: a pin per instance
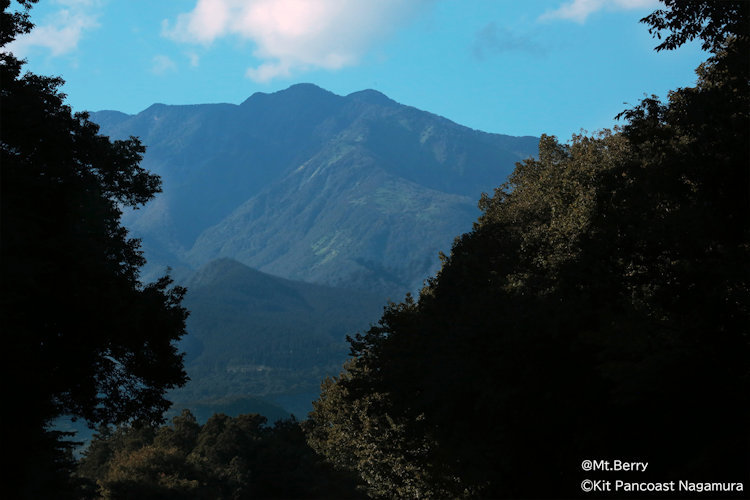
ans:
(252, 333)
(356, 191)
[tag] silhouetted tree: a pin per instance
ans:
(599, 308)
(82, 336)
(711, 22)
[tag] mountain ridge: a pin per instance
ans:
(362, 152)
(252, 333)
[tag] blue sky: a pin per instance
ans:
(505, 66)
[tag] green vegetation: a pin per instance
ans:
(267, 183)
(599, 308)
(224, 458)
(256, 334)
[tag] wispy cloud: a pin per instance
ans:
(579, 10)
(194, 58)
(161, 65)
(61, 32)
(493, 39)
(294, 35)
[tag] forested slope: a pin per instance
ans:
(356, 191)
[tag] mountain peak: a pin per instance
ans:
(294, 93)
(312, 93)
(305, 87)
(157, 106)
(371, 96)
(218, 269)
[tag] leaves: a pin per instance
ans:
(598, 308)
(712, 22)
(227, 457)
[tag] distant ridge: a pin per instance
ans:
(356, 191)
(256, 334)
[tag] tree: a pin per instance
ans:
(711, 22)
(458, 388)
(227, 457)
(599, 308)
(359, 430)
(83, 336)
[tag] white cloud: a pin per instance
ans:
(292, 35)
(61, 32)
(161, 65)
(579, 10)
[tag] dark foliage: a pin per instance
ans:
(599, 308)
(82, 336)
(711, 22)
(226, 457)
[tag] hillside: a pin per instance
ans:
(256, 334)
(356, 191)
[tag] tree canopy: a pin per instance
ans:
(711, 22)
(83, 336)
(227, 457)
(599, 308)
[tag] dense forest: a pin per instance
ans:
(240, 457)
(599, 309)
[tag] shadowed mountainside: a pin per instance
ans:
(256, 334)
(356, 191)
